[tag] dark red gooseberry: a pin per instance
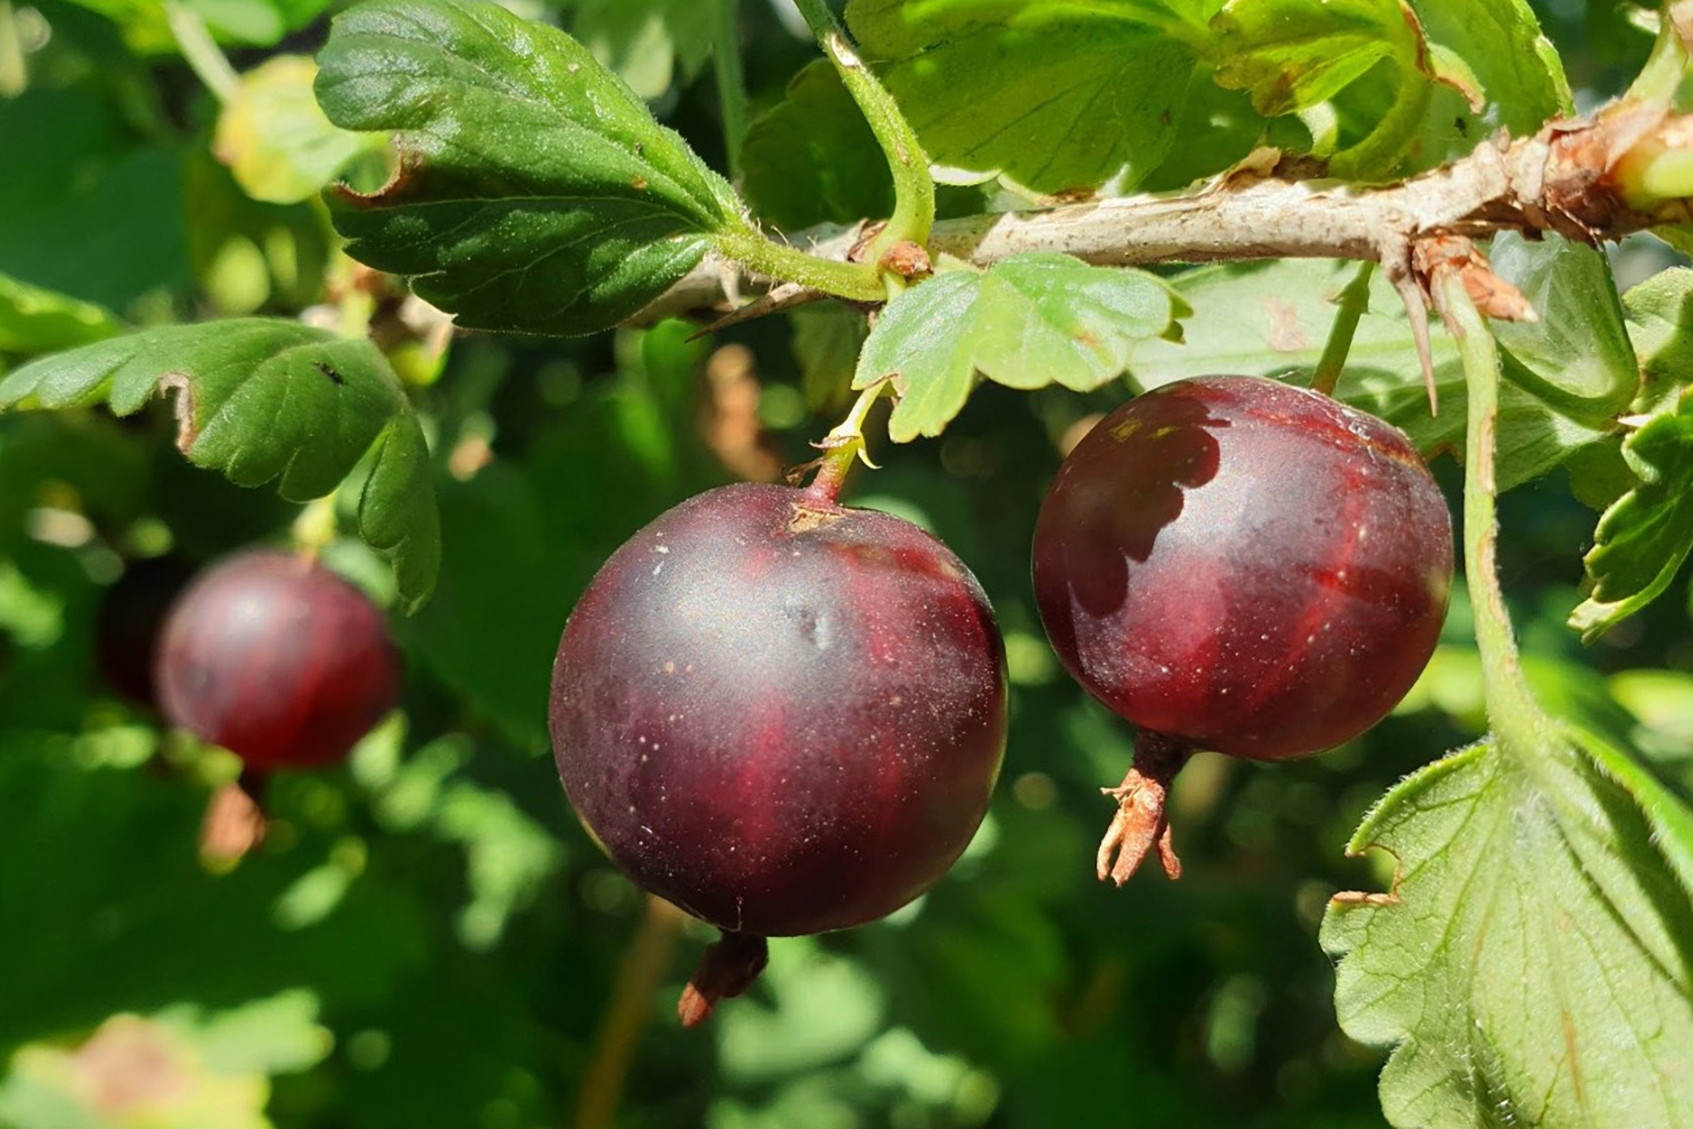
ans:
(1235, 564)
(277, 659)
(783, 715)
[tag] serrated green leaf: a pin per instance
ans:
(274, 138)
(1054, 96)
(1646, 536)
(262, 399)
(34, 320)
(1273, 319)
(1534, 962)
(812, 158)
(1030, 321)
(535, 191)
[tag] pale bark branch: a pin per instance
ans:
(1564, 180)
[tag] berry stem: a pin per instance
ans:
(842, 446)
(1142, 821)
(728, 968)
(235, 821)
(1354, 300)
(643, 966)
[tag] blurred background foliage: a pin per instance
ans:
(429, 938)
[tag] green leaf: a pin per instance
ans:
(275, 139)
(644, 40)
(1030, 321)
(1533, 964)
(261, 399)
(1494, 48)
(812, 158)
(1645, 537)
(1660, 324)
(34, 320)
(1293, 54)
(1576, 356)
(535, 191)
(1272, 319)
(1051, 95)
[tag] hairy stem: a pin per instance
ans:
(1511, 708)
(761, 256)
(914, 188)
(1354, 300)
(731, 82)
(643, 967)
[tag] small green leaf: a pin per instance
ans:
(263, 399)
(1533, 964)
(1645, 537)
(275, 139)
(535, 192)
(34, 320)
(1052, 95)
(1032, 320)
(812, 158)
(1660, 324)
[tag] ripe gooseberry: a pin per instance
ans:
(1239, 565)
(280, 661)
(783, 715)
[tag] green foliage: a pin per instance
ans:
(1643, 539)
(573, 209)
(429, 938)
(262, 400)
(1030, 321)
(1532, 963)
(276, 140)
(812, 158)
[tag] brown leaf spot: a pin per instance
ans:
(186, 430)
(639, 184)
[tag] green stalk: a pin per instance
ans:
(1354, 300)
(1511, 709)
(857, 281)
(843, 446)
(14, 75)
(201, 51)
(1666, 67)
(914, 189)
(731, 82)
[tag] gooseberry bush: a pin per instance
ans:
(1265, 366)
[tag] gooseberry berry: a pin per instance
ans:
(1239, 565)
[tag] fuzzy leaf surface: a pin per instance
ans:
(263, 400)
(1533, 964)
